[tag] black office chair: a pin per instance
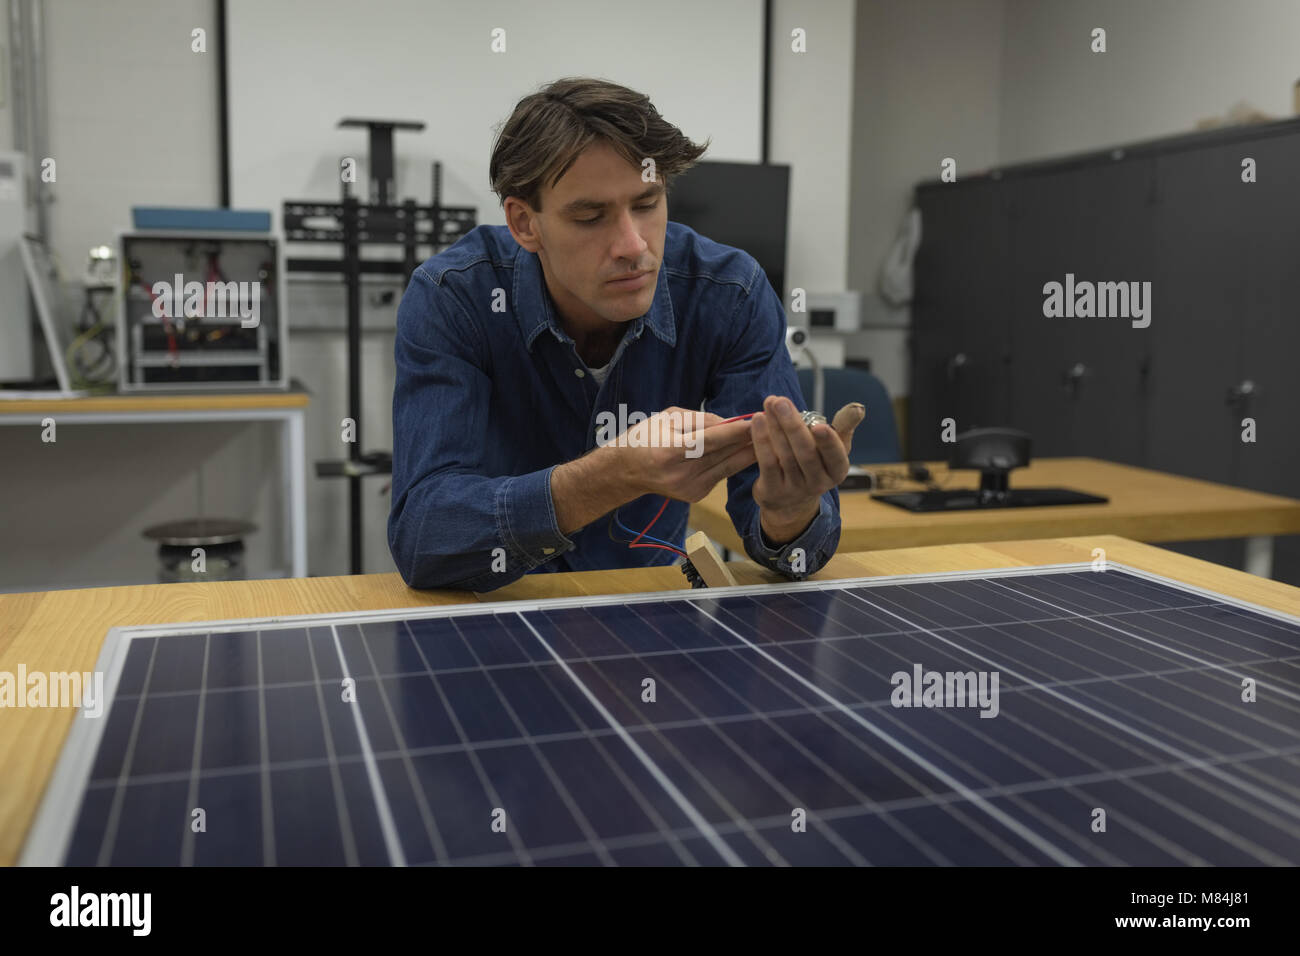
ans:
(876, 439)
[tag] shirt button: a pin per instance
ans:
(580, 373)
(548, 550)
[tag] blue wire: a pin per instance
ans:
(644, 537)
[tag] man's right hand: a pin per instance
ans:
(677, 453)
(682, 454)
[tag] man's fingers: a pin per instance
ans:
(718, 437)
(694, 420)
(738, 460)
(792, 423)
(846, 420)
(794, 445)
(764, 452)
(834, 456)
(777, 439)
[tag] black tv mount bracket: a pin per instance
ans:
(419, 230)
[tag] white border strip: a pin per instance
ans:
(47, 841)
(1214, 596)
(456, 610)
(51, 832)
(392, 842)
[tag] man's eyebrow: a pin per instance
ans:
(594, 205)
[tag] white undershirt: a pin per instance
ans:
(599, 374)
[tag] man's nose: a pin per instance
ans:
(628, 244)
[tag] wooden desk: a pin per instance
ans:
(63, 630)
(289, 408)
(1144, 505)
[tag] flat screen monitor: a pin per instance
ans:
(745, 205)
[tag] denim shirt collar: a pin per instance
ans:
(534, 311)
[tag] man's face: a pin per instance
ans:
(600, 223)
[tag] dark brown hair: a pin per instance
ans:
(549, 129)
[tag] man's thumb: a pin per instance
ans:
(846, 420)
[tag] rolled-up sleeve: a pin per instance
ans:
(755, 364)
(450, 524)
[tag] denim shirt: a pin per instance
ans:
(490, 395)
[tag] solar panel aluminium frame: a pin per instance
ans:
(51, 832)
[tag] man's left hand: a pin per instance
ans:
(797, 464)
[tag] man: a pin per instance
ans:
(517, 347)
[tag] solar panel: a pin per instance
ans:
(1057, 715)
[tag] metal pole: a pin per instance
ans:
(352, 278)
(39, 118)
(18, 85)
(223, 105)
(17, 77)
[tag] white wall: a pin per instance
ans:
(812, 116)
(293, 77)
(925, 86)
(131, 115)
(7, 96)
(1167, 64)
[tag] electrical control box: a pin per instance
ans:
(201, 310)
(834, 311)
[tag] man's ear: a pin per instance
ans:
(522, 221)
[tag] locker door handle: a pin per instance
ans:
(1074, 377)
(1240, 393)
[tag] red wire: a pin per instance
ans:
(167, 325)
(646, 529)
(661, 547)
(207, 302)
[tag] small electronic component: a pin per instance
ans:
(692, 575)
(703, 567)
(813, 418)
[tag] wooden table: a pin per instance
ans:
(1144, 505)
(63, 630)
(289, 408)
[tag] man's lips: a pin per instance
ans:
(630, 276)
